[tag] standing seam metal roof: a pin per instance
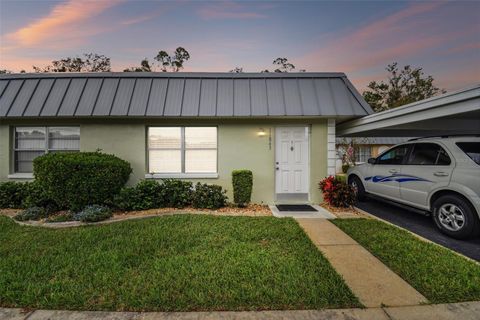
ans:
(179, 95)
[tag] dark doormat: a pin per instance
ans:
(295, 207)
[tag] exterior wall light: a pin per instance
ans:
(261, 132)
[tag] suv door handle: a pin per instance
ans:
(393, 171)
(440, 174)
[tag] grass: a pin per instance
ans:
(439, 274)
(172, 263)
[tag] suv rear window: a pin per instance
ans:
(472, 149)
(428, 154)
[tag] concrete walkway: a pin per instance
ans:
(453, 311)
(369, 279)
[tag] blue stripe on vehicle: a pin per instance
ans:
(396, 177)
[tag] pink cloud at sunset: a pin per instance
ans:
(227, 10)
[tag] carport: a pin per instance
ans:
(451, 113)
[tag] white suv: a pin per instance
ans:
(438, 175)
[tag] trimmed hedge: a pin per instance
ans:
(209, 196)
(12, 194)
(147, 194)
(177, 193)
(242, 181)
(74, 180)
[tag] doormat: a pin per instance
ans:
(295, 207)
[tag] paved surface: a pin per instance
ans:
(421, 225)
(454, 311)
(320, 213)
(370, 280)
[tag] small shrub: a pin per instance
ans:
(242, 181)
(337, 193)
(12, 194)
(38, 197)
(147, 194)
(64, 217)
(93, 213)
(74, 180)
(209, 196)
(33, 213)
(345, 168)
(176, 193)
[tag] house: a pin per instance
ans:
(195, 126)
(365, 147)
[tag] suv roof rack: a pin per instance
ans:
(446, 136)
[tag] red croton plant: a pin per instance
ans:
(337, 193)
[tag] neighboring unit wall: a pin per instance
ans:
(332, 154)
(239, 147)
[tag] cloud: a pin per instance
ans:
(227, 10)
(62, 23)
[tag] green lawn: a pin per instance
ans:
(171, 263)
(439, 274)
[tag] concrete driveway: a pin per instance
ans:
(421, 225)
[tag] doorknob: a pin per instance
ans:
(440, 174)
(393, 171)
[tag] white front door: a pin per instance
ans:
(291, 160)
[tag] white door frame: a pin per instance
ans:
(307, 164)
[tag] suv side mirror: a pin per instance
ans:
(371, 160)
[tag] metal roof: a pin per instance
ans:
(152, 94)
(455, 112)
(373, 140)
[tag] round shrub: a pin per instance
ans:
(337, 193)
(93, 213)
(74, 180)
(147, 194)
(38, 197)
(12, 194)
(209, 196)
(242, 181)
(33, 213)
(176, 193)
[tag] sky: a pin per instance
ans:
(356, 37)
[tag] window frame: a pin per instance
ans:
(407, 155)
(412, 149)
(183, 150)
(46, 148)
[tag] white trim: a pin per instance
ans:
(20, 176)
(331, 154)
(181, 176)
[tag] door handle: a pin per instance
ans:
(393, 171)
(277, 168)
(440, 174)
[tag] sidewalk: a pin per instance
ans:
(464, 311)
(370, 280)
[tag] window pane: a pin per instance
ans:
(30, 138)
(164, 138)
(472, 149)
(428, 154)
(24, 160)
(165, 161)
(200, 137)
(64, 138)
(394, 156)
(200, 161)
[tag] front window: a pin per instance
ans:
(362, 153)
(472, 149)
(31, 142)
(182, 149)
(394, 156)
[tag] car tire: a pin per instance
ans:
(446, 214)
(357, 185)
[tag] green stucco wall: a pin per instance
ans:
(239, 147)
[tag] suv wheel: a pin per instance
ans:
(358, 187)
(455, 217)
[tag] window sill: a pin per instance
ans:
(20, 176)
(181, 176)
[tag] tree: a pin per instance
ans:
(283, 65)
(91, 62)
(4, 71)
(145, 66)
(173, 62)
(237, 70)
(403, 86)
(166, 62)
